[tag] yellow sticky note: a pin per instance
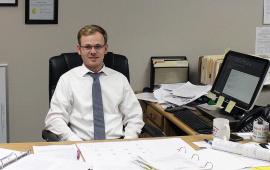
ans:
(211, 95)
(261, 168)
(230, 106)
(220, 101)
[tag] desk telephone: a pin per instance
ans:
(259, 113)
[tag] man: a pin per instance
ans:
(71, 114)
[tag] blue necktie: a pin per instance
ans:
(99, 127)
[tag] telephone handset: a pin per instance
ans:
(259, 113)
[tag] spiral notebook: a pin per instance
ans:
(8, 156)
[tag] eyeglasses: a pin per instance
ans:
(89, 47)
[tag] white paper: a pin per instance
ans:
(8, 155)
(39, 162)
(266, 12)
(190, 90)
(262, 45)
(241, 149)
(202, 144)
(172, 86)
(229, 161)
(147, 97)
(58, 151)
(41, 9)
(185, 89)
(163, 154)
(7, 1)
(160, 94)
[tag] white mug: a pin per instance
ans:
(221, 128)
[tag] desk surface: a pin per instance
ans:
(28, 145)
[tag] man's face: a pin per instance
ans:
(92, 51)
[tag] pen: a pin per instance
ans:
(78, 154)
(208, 141)
(264, 145)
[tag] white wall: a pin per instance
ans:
(138, 29)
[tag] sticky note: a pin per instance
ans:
(230, 106)
(211, 95)
(220, 101)
(261, 168)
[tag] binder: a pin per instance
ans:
(8, 156)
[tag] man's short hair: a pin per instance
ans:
(91, 29)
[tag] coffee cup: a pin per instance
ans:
(221, 128)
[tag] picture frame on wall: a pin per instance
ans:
(8, 2)
(41, 11)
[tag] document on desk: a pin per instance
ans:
(39, 162)
(162, 154)
(189, 90)
(146, 96)
(225, 160)
(58, 151)
(234, 156)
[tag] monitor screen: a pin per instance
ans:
(240, 79)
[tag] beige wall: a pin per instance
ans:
(138, 29)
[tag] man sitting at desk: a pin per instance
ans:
(75, 115)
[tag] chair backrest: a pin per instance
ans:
(60, 64)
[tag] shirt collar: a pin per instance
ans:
(85, 70)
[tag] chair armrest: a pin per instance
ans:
(152, 131)
(49, 136)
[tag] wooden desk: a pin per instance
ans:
(28, 145)
(155, 115)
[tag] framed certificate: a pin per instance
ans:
(8, 2)
(41, 11)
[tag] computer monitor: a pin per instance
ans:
(240, 79)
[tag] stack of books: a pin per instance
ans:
(209, 66)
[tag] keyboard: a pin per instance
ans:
(193, 121)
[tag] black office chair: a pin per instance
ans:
(58, 65)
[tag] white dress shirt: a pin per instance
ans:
(71, 111)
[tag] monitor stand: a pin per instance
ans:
(220, 113)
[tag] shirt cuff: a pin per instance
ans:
(71, 137)
(131, 135)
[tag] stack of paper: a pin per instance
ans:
(181, 95)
